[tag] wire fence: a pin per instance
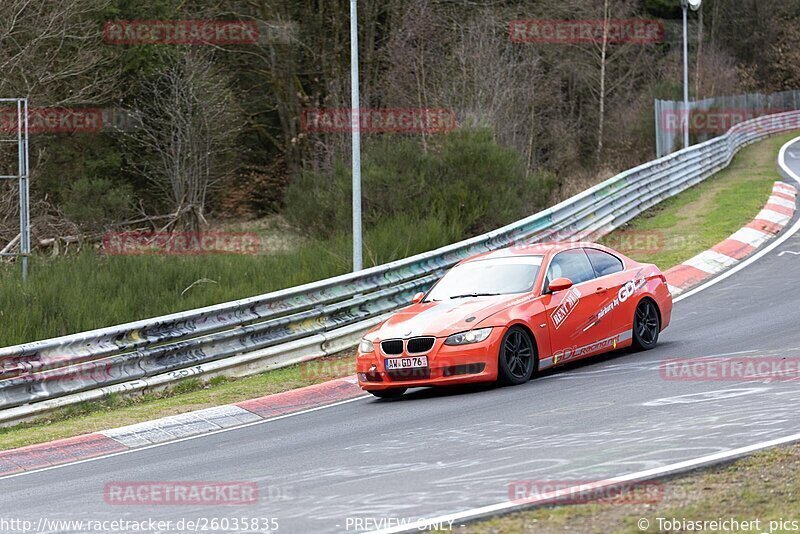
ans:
(712, 117)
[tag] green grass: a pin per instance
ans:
(708, 213)
(91, 290)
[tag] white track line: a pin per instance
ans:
(508, 506)
(187, 438)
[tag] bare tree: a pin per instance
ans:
(440, 58)
(606, 67)
(53, 52)
(187, 127)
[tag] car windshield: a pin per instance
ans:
(496, 276)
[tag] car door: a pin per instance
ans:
(611, 278)
(570, 313)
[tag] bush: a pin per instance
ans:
(93, 201)
(465, 181)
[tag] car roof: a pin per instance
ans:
(536, 249)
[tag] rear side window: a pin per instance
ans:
(603, 262)
(572, 264)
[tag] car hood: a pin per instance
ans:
(442, 318)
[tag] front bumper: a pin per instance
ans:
(664, 301)
(447, 365)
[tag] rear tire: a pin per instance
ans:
(646, 325)
(517, 358)
(394, 393)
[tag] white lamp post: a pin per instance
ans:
(356, 134)
(695, 5)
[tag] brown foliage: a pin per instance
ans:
(254, 191)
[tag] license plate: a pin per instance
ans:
(411, 362)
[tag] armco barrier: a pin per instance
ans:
(287, 326)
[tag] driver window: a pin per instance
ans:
(572, 264)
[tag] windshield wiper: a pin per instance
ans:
(475, 295)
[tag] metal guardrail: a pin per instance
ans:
(174, 346)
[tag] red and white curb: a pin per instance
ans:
(177, 427)
(769, 222)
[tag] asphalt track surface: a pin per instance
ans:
(442, 451)
(793, 157)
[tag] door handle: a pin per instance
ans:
(600, 290)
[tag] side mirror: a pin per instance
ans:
(560, 284)
(418, 297)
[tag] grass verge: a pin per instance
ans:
(699, 218)
(764, 486)
(709, 213)
(186, 396)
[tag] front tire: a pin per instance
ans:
(394, 393)
(646, 325)
(517, 357)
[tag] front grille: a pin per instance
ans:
(409, 374)
(392, 346)
(417, 345)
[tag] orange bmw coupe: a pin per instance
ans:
(503, 315)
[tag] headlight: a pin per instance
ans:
(366, 346)
(465, 338)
